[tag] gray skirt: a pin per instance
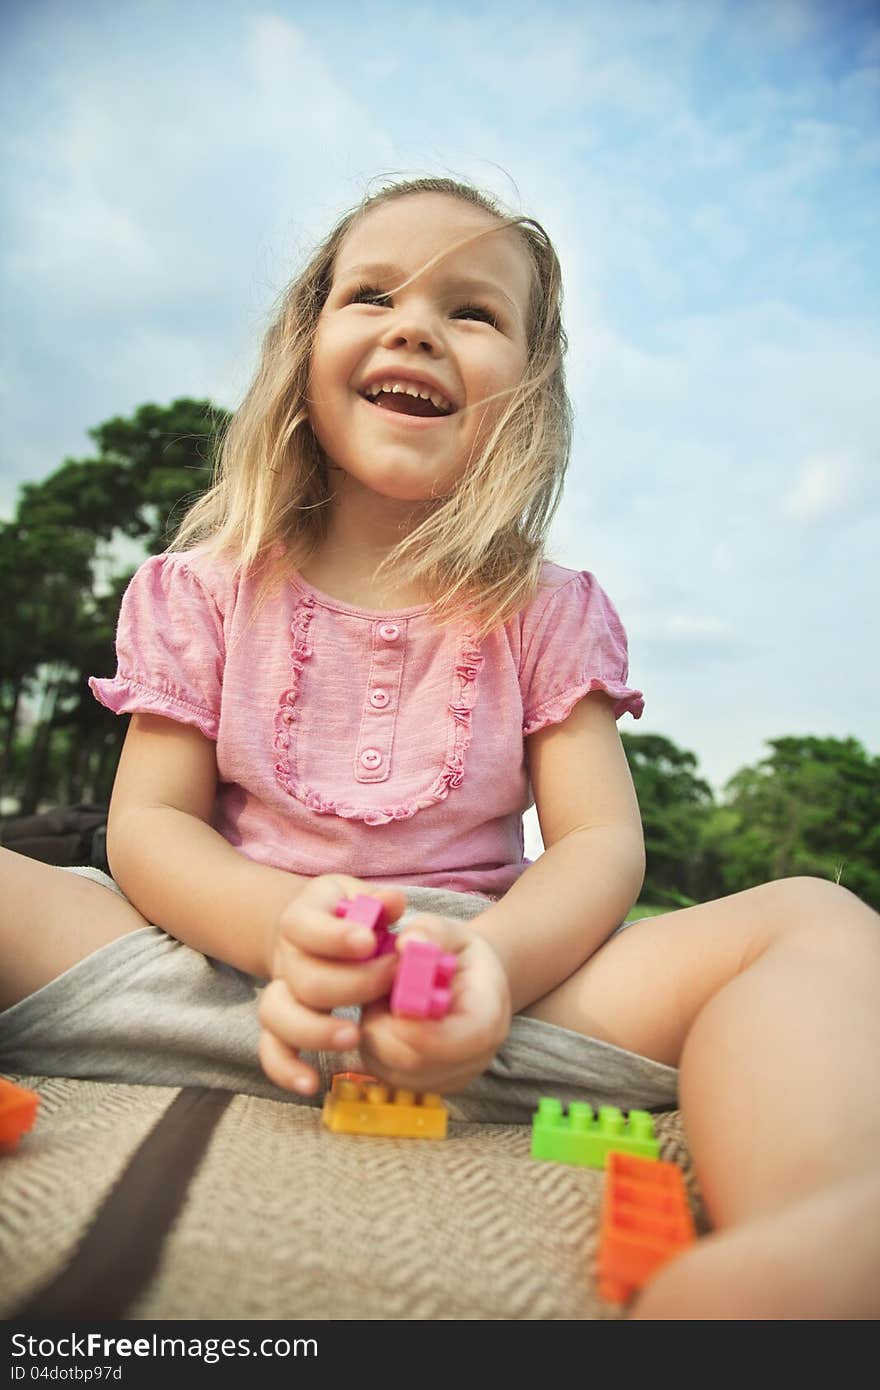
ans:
(148, 1010)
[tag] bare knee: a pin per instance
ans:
(810, 909)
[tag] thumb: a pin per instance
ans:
(445, 932)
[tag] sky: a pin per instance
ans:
(708, 170)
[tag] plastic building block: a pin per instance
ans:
(367, 1107)
(581, 1138)
(360, 1078)
(370, 912)
(421, 981)
(18, 1111)
(421, 984)
(646, 1220)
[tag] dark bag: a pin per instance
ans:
(65, 835)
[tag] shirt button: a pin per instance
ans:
(378, 699)
(389, 632)
(371, 758)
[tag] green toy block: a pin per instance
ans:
(581, 1138)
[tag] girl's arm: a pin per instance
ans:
(566, 904)
(178, 871)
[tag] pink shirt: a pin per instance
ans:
(376, 744)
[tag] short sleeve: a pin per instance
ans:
(573, 642)
(169, 648)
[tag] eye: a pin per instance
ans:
(476, 311)
(366, 294)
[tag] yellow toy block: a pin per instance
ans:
(366, 1107)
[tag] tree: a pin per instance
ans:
(674, 803)
(811, 807)
(61, 579)
(164, 455)
(45, 572)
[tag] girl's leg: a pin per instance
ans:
(769, 1002)
(49, 920)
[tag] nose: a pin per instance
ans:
(415, 328)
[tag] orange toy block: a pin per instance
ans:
(646, 1220)
(18, 1110)
(367, 1107)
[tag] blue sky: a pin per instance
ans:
(709, 173)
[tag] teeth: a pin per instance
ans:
(408, 388)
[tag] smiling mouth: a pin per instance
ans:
(428, 406)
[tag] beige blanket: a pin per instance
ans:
(283, 1219)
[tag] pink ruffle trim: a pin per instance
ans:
(467, 667)
(126, 695)
(553, 711)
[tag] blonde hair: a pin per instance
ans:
(480, 548)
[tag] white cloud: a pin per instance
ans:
(624, 84)
(826, 488)
(62, 231)
(725, 237)
(128, 201)
(791, 21)
(724, 559)
(695, 629)
(871, 50)
(684, 634)
(297, 92)
(516, 59)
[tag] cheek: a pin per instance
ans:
(498, 379)
(320, 393)
(330, 365)
(344, 340)
(503, 363)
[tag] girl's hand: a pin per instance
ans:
(445, 1054)
(319, 962)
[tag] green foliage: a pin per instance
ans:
(811, 807)
(166, 455)
(674, 803)
(61, 582)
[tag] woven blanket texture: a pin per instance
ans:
(285, 1220)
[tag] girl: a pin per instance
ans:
(347, 677)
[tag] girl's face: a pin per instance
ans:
(447, 342)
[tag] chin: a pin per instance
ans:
(397, 487)
(412, 494)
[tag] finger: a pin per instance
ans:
(328, 984)
(317, 932)
(405, 1042)
(446, 932)
(392, 899)
(388, 1058)
(298, 1026)
(405, 1068)
(283, 1066)
(400, 1047)
(311, 923)
(328, 889)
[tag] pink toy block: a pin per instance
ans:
(369, 912)
(421, 985)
